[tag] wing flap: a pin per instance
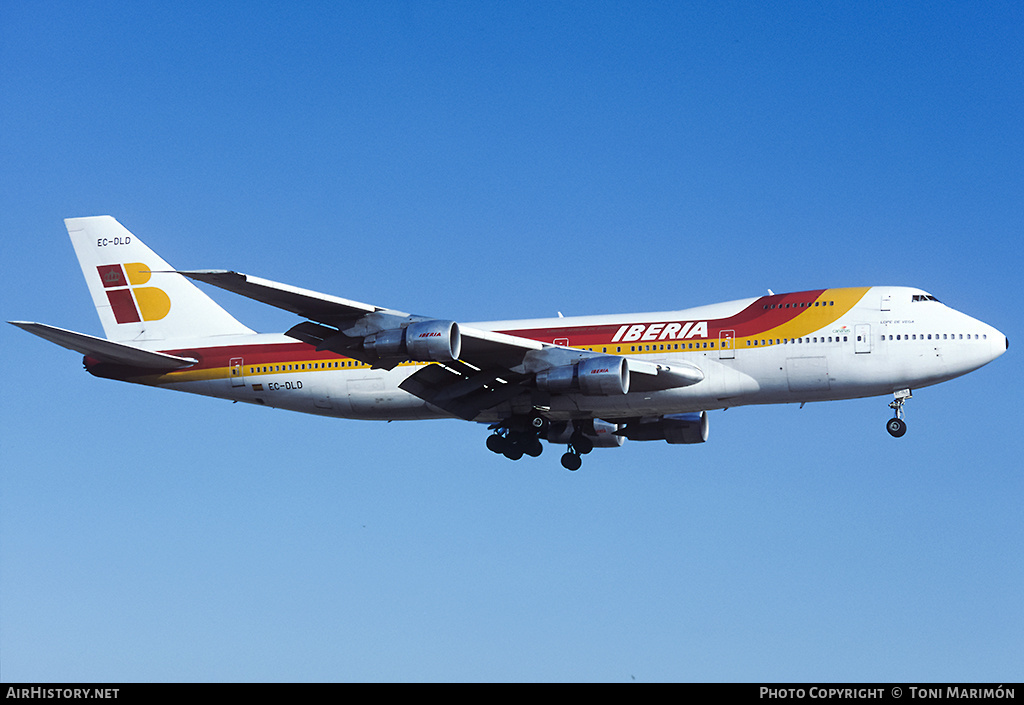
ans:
(105, 350)
(461, 389)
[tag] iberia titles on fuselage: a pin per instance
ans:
(583, 381)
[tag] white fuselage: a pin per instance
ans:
(809, 346)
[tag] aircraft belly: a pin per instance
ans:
(375, 395)
(807, 374)
(202, 387)
(325, 393)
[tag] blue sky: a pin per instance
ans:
(489, 161)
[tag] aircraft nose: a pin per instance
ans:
(1000, 343)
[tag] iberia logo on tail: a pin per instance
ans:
(130, 301)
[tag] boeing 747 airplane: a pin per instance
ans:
(582, 382)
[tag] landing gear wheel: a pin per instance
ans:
(896, 427)
(497, 444)
(533, 447)
(571, 461)
(581, 444)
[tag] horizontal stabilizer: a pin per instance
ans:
(105, 350)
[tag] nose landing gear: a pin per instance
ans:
(896, 426)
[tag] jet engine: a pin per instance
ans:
(424, 341)
(604, 435)
(673, 428)
(605, 375)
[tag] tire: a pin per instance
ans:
(582, 444)
(896, 427)
(571, 461)
(496, 444)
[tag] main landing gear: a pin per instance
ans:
(514, 445)
(521, 436)
(517, 437)
(896, 425)
(578, 445)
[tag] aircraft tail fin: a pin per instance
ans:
(138, 296)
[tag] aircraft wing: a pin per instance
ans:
(483, 369)
(105, 350)
(310, 304)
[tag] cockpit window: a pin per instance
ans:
(925, 297)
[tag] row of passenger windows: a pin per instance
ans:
(796, 341)
(806, 304)
(845, 338)
(936, 336)
(305, 366)
(667, 346)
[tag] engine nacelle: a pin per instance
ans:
(603, 437)
(425, 341)
(602, 376)
(673, 428)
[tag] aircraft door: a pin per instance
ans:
(862, 338)
(237, 376)
(727, 345)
